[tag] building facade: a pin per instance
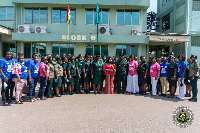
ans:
(118, 19)
(182, 17)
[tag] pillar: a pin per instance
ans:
(80, 49)
(111, 50)
(48, 48)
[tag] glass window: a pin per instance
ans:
(125, 17)
(35, 15)
(2, 13)
(166, 22)
(27, 50)
(62, 48)
(104, 50)
(10, 13)
(89, 49)
(9, 47)
(28, 15)
(91, 16)
(31, 48)
(60, 15)
(126, 49)
(43, 15)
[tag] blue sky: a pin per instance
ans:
(153, 6)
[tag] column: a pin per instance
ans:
(48, 48)
(80, 49)
(111, 50)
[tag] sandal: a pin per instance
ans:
(31, 100)
(18, 102)
(34, 99)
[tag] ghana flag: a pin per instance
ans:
(69, 21)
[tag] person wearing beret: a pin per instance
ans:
(121, 66)
(194, 75)
(79, 67)
(87, 73)
(97, 74)
(172, 76)
(58, 77)
(71, 69)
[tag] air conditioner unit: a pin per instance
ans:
(105, 30)
(135, 32)
(24, 29)
(40, 29)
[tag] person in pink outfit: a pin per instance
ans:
(154, 73)
(20, 76)
(110, 70)
(132, 78)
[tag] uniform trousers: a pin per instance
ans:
(154, 85)
(5, 90)
(121, 79)
(163, 81)
(194, 86)
(181, 89)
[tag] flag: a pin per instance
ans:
(98, 15)
(68, 20)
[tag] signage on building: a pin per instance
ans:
(174, 39)
(78, 37)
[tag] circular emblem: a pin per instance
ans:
(183, 116)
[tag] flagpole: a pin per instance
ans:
(68, 41)
(97, 37)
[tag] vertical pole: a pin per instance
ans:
(68, 41)
(97, 38)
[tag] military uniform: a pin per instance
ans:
(50, 82)
(141, 72)
(192, 70)
(97, 72)
(79, 64)
(64, 65)
(73, 73)
(87, 66)
(121, 75)
(171, 69)
(59, 69)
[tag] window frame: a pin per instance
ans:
(32, 15)
(94, 10)
(6, 13)
(60, 15)
(2, 56)
(59, 47)
(125, 48)
(94, 48)
(32, 48)
(131, 16)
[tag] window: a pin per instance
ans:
(60, 15)
(31, 48)
(195, 41)
(91, 16)
(92, 50)
(166, 22)
(128, 17)
(165, 1)
(35, 15)
(6, 13)
(12, 47)
(196, 5)
(62, 48)
(126, 49)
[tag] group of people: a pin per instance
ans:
(60, 75)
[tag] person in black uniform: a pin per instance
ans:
(142, 74)
(87, 74)
(79, 67)
(148, 75)
(172, 76)
(121, 66)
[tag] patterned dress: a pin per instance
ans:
(109, 78)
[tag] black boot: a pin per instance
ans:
(86, 91)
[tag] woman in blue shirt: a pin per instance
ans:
(181, 75)
(20, 76)
(33, 68)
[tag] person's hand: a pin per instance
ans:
(174, 78)
(19, 79)
(145, 77)
(79, 76)
(132, 74)
(156, 78)
(92, 76)
(70, 77)
(57, 79)
(6, 80)
(84, 75)
(181, 79)
(65, 77)
(192, 77)
(49, 79)
(46, 78)
(30, 80)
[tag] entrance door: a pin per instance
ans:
(158, 51)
